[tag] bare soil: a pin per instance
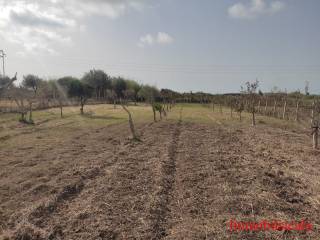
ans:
(182, 181)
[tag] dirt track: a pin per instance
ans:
(183, 181)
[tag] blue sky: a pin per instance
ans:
(199, 45)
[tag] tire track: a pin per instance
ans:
(160, 211)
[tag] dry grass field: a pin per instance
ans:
(82, 177)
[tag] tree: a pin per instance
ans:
(31, 82)
(5, 83)
(81, 91)
(306, 88)
(65, 82)
(119, 86)
(132, 90)
(99, 81)
(21, 96)
(232, 101)
(250, 91)
(150, 95)
(58, 94)
(239, 106)
(131, 125)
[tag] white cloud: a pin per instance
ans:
(255, 9)
(160, 38)
(164, 38)
(38, 25)
(146, 40)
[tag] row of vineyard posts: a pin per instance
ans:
(279, 106)
(295, 107)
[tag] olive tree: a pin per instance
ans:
(150, 94)
(250, 91)
(32, 83)
(80, 91)
(99, 81)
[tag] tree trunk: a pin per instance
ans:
(315, 134)
(61, 113)
(297, 112)
(30, 113)
(266, 108)
(312, 112)
(23, 118)
(253, 119)
(315, 138)
(154, 114)
(81, 109)
(274, 109)
(164, 112)
(82, 105)
(240, 116)
(131, 125)
(284, 110)
(259, 106)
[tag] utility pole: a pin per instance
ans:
(3, 55)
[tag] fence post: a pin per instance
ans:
(274, 108)
(284, 110)
(312, 112)
(315, 134)
(297, 111)
(266, 107)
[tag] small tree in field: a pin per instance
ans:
(150, 94)
(81, 91)
(21, 96)
(251, 94)
(131, 125)
(32, 83)
(315, 123)
(5, 83)
(239, 107)
(232, 104)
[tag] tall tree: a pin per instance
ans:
(119, 86)
(32, 82)
(81, 91)
(250, 90)
(99, 81)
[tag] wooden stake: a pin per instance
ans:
(274, 109)
(297, 111)
(315, 139)
(315, 134)
(133, 132)
(266, 107)
(312, 112)
(284, 110)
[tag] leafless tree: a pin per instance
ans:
(250, 91)
(131, 125)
